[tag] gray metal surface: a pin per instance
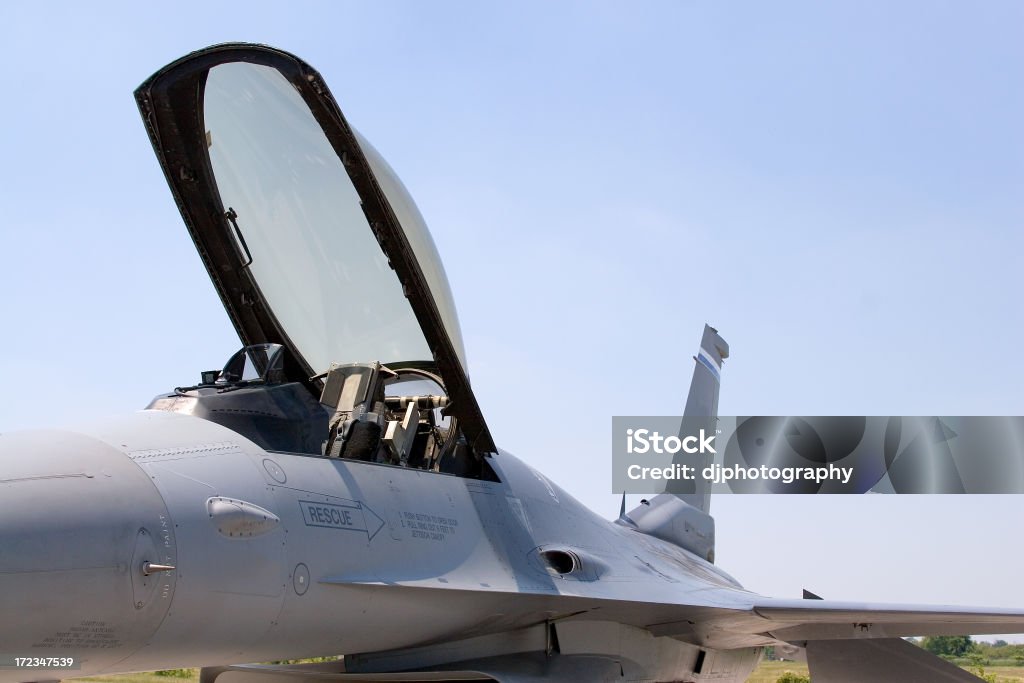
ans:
(333, 556)
(77, 522)
(701, 412)
(880, 661)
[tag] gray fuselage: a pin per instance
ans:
(280, 555)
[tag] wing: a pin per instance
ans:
(718, 618)
(805, 620)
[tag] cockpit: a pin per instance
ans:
(324, 265)
(386, 414)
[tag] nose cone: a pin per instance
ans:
(78, 522)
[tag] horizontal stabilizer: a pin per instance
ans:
(887, 660)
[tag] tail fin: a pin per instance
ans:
(702, 409)
(707, 375)
(680, 515)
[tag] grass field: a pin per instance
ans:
(192, 677)
(768, 672)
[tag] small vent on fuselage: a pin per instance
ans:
(561, 561)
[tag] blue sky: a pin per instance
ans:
(836, 187)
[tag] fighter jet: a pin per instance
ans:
(334, 491)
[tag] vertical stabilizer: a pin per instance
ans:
(701, 410)
(707, 375)
(680, 515)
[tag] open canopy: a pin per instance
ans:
(310, 238)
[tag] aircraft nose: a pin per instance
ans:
(78, 522)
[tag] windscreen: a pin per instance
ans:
(297, 221)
